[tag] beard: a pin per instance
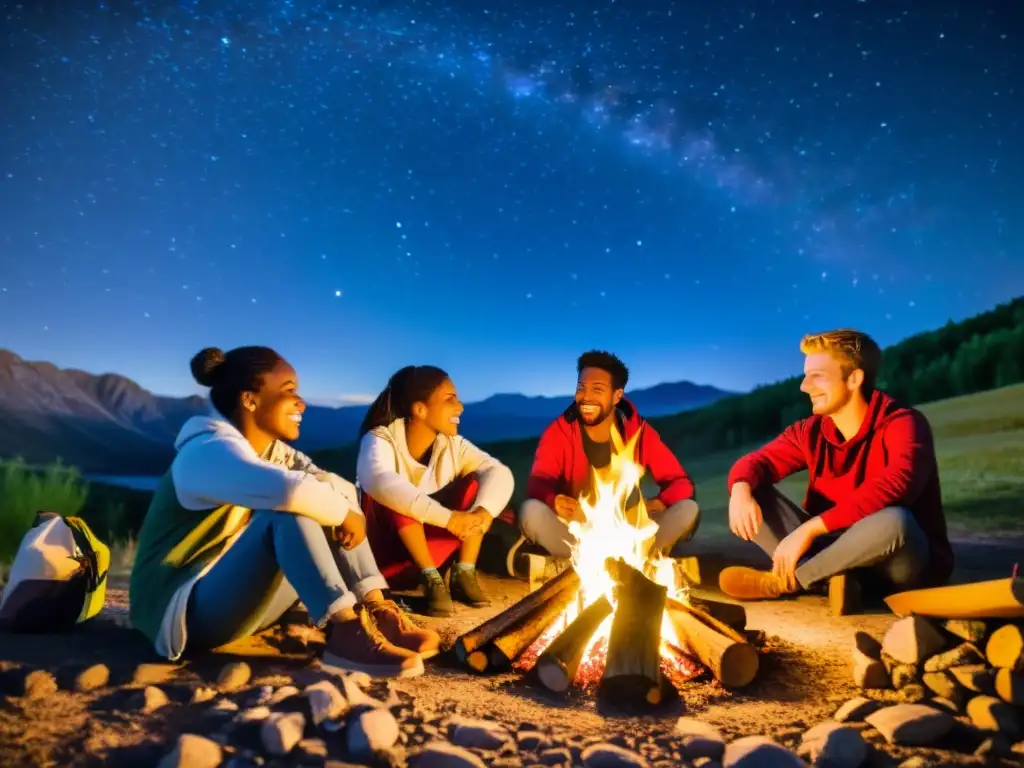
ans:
(602, 414)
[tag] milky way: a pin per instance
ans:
(693, 186)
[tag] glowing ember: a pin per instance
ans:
(613, 532)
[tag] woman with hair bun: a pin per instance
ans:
(243, 525)
(428, 493)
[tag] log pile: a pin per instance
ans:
(972, 667)
(640, 667)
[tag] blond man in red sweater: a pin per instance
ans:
(873, 505)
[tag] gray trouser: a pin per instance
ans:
(543, 527)
(279, 559)
(889, 542)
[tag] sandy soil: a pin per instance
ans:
(804, 676)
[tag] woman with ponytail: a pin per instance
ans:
(243, 526)
(428, 493)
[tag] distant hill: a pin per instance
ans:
(108, 424)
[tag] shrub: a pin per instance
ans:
(25, 490)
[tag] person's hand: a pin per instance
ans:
(465, 525)
(744, 512)
(352, 530)
(654, 505)
(569, 509)
(484, 518)
(787, 555)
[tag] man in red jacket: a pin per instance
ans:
(873, 503)
(580, 439)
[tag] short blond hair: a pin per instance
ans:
(853, 349)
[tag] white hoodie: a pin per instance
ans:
(216, 465)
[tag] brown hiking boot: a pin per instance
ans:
(398, 628)
(844, 594)
(439, 602)
(750, 584)
(358, 646)
(465, 588)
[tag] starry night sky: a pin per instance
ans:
(495, 187)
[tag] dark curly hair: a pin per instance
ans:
(606, 361)
(230, 374)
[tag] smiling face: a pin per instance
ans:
(441, 411)
(276, 409)
(596, 396)
(827, 385)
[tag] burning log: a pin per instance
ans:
(556, 668)
(506, 647)
(632, 671)
(732, 660)
(477, 638)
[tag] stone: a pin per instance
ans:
(203, 694)
(945, 685)
(1009, 686)
(325, 701)
(192, 751)
(256, 714)
(39, 684)
(234, 676)
(532, 741)
(911, 724)
(868, 672)
(699, 739)
(758, 752)
(867, 645)
(991, 714)
(971, 630)
(152, 699)
(903, 675)
(912, 693)
(834, 744)
(911, 640)
(995, 746)
(223, 708)
(282, 693)
(91, 678)
(961, 655)
(479, 734)
(154, 674)
(311, 748)
(556, 756)
(611, 756)
(975, 677)
(356, 694)
(369, 730)
(280, 732)
(855, 710)
(441, 754)
(915, 762)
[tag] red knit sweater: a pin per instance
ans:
(889, 462)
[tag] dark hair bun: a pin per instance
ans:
(205, 364)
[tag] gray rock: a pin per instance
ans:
(191, 751)
(868, 672)
(152, 699)
(441, 754)
(611, 756)
(479, 734)
(255, 714)
(325, 701)
(911, 640)
(91, 678)
(355, 693)
(223, 708)
(758, 752)
(153, 674)
(855, 710)
(699, 739)
(369, 730)
(834, 745)
(991, 714)
(234, 676)
(555, 756)
(203, 694)
(532, 741)
(911, 724)
(282, 693)
(280, 732)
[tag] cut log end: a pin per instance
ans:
(478, 661)
(739, 665)
(552, 675)
(1005, 648)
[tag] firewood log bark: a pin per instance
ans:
(1005, 648)
(506, 647)
(557, 666)
(478, 637)
(731, 659)
(632, 672)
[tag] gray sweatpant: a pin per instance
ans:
(543, 527)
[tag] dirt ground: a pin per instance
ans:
(804, 676)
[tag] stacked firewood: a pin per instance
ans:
(969, 666)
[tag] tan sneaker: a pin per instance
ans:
(750, 584)
(399, 629)
(844, 595)
(358, 646)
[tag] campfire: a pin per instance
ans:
(620, 619)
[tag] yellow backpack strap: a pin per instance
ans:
(96, 561)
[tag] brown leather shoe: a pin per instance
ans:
(400, 630)
(358, 646)
(750, 584)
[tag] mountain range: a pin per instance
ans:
(109, 424)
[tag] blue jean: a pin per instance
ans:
(278, 559)
(889, 543)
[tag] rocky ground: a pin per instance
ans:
(99, 696)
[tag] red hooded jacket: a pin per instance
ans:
(889, 462)
(560, 464)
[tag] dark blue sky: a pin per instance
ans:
(496, 187)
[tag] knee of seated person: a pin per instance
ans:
(896, 521)
(530, 513)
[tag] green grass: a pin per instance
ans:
(24, 491)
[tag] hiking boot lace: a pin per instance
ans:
(377, 639)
